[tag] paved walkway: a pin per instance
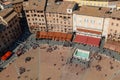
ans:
(31, 42)
(114, 74)
(107, 52)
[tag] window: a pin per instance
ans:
(38, 11)
(112, 23)
(92, 21)
(42, 19)
(57, 20)
(69, 10)
(6, 34)
(19, 6)
(15, 20)
(115, 31)
(4, 43)
(68, 17)
(113, 17)
(100, 22)
(68, 22)
(8, 40)
(64, 17)
(34, 23)
(34, 14)
(27, 11)
(10, 25)
(118, 18)
(2, 36)
(42, 15)
(102, 5)
(9, 31)
(41, 11)
(28, 19)
(117, 24)
(65, 30)
(84, 20)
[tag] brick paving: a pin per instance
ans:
(51, 63)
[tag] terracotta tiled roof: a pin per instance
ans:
(34, 5)
(17, 1)
(113, 45)
(87, 40)
(6, 3)
(59, 7)
(7, 14)
(54, 35)
(4, 12)
(116, 14)
(93, 11)
(11, 16)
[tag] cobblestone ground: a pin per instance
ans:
(52, 67)
(51, 63)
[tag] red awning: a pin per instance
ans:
(80, 39)
(38, 34)
(54, 35)
(68, 37)
(50, 35)
(93, 41)
(63, 36)
(57, 35)
(43, 34)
